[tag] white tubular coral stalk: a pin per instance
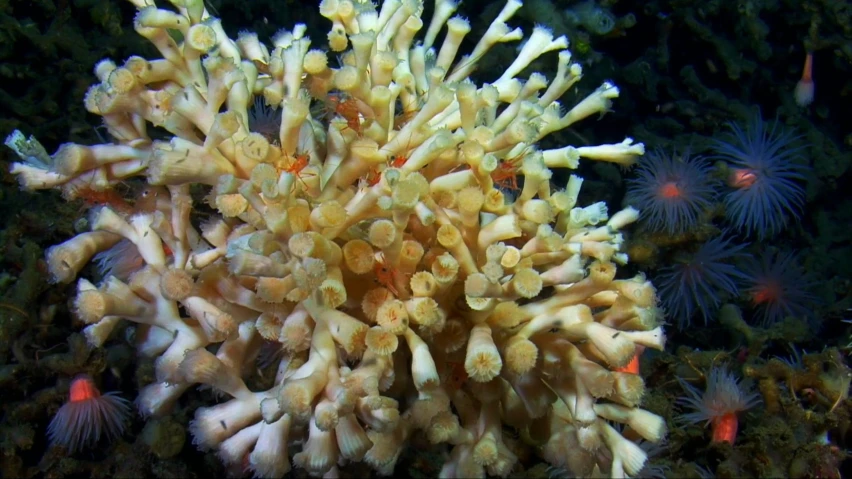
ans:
(623, 153)
(598, 102)
(270, 458)
(647, 424)
(236, 448)
(457, 28)
(403, 38)
(437, 144)
(503, 228)
(623, 218)
(201, 366)
(226, 47)
(251, 48)
(450, 237)
(540, 42)
(487, 448)
(158, 398)
(64, 261)
(654, 338)
(115, 299)
(352, 440)
(181, 161)
(423, 369)
(181, 226)
(565, 157)
(347, 331)
(570, 271)
(97, 334)
(32, 177)
(628, 453)
(320, 452)
(443, 10)
(233, 352)
(596, 378)
(617, 348)
(297, 394)
(212, 425)
(294, 56)
(217, 324)
(520, 353)
(379, 413)
(567, 74)
(482, 359)
(72, 159)
(161, 40)
(200, 39)
(498, 32)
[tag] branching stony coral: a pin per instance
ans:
(408, 295)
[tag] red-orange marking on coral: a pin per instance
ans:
(632, 367)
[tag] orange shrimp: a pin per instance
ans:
(400, 119)
(295, 164)
(375, 174)
(108, 197)
(373, 177)
(348, 108)
(397, 161)
(299, 163)
(387, 276)
(506, 174)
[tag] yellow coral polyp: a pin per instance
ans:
(408, 295)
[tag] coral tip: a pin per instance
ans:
(87, 416)
(804, 93)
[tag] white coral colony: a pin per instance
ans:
(374, 245)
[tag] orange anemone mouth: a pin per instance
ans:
(670, 190)
(742, 178)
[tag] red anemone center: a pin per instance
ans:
(670, 190)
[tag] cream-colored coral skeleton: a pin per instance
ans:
(421, 302)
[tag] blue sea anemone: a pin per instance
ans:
(264, 119)
(671, 191)
(765, 176)
(723, 398)
(779, 287)
(87, 417)
(700, 282)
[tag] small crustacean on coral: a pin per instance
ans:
(723, 398)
